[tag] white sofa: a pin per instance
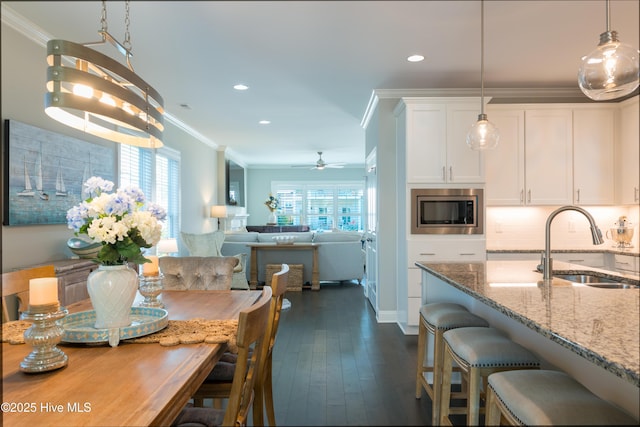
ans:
(340, 254)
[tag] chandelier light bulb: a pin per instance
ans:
(610, 71)
(483, 135)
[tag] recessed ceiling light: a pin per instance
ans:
(240, 86)
(265, 122)
(415, 58)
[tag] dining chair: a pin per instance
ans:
(15, 285)
(194, 272)
(218, 383)
(252, 333)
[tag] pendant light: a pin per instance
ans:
(482, 135)
(96, 94)
(611, 70)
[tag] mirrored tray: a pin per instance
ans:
(79, 327)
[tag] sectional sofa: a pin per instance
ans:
(340, 254)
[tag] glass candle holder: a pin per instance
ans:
(150, 288)
(43, 335)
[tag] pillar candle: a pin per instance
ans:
(150, 268)
(43, 291)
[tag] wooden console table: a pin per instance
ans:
(255, 247)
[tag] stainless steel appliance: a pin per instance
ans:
(447, 211)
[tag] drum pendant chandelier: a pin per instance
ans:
(96, 94)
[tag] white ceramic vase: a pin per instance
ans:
(273, 219)
(112, 290)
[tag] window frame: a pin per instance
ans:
(298, 210)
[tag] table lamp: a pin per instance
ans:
(218, 211)
(167, 247)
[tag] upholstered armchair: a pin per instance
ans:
(197, 273)
(210, 244)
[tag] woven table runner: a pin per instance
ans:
(177, 332)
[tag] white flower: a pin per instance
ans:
(118, 221)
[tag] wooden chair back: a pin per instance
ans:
(264, 389)
(15, 284)
(252, 329)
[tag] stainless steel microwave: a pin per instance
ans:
(447, 211)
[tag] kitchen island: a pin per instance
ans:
(591, 333)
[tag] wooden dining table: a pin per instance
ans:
(128, 385)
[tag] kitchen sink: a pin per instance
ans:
(613, 285)
(596, 281)
(584, 278)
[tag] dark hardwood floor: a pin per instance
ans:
(334, 365)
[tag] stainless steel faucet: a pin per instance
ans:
(547, 262)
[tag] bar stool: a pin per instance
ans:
(546, 397)
(478, 352)
(436, 318)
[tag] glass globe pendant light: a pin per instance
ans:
(482, 135)
(611, 70)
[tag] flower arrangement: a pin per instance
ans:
(118, 221)
(272, 203)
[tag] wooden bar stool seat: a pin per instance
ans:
(544, 397)
(435, 319)
(478, 353)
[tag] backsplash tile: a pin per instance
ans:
(524, 227)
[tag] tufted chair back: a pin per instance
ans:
(197, 273)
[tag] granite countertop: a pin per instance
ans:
(601, 325)
(616, 251)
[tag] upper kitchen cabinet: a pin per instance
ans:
(433, 131)
(627, 154)
(505, 164)
(593, 145)
(533, 163)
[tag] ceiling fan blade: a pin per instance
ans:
(334, 165)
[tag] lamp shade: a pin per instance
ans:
(167, 246)
(218, 211)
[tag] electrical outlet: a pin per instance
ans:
(498, 226)
(572, 227)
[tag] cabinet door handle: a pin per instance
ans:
(522, 196)
(450, 173)
(636, 194)
(444, 173)
(529, 201)
(578, 194)
(427, 253)
(467, 253)
(575, 261)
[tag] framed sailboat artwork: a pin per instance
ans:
(44, 172)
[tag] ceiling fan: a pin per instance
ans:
(321, 164)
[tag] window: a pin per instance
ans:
(321, 206)
(158, 176)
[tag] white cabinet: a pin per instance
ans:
(505, 164)
(624, 263)
(548, 156)
(628, 153)
(433, 131)
(533, 163)
(593, 145)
